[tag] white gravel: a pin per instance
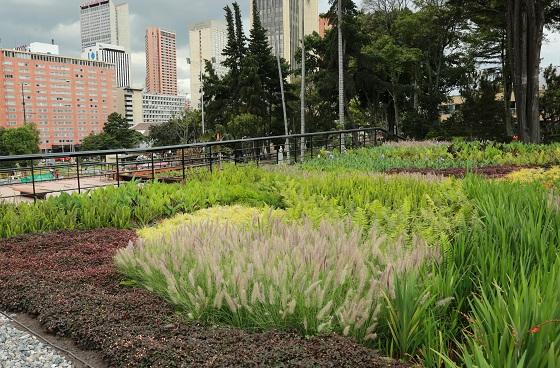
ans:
(20, 349)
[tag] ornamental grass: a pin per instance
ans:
(275, 275)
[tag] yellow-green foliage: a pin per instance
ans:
(313, 279)
(236, 215)
(549, 177)
(398, 205)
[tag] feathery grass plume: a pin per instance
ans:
(273, 274)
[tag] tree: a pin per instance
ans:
(483, 25)
(19, 141)
(118, 128)
(515, 30)
(550, 104)
(180, 130)
(251, 85)
(479, 117)
(96, 142)
(117, 133)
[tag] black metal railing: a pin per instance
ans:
(35, 176)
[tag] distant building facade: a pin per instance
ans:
(112, 54)
(282, 21)
(66, 98)
(324, 25)
(159, 108)
(207, 40)
(101, 21)
(161, 62)
(40, 48)
(128, 103)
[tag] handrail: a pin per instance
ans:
(40, 156)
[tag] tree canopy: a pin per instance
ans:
(117, 133)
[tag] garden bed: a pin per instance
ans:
(67, 279)
(495, 171)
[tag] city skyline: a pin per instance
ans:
(60, 20)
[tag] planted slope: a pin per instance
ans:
(68, 280)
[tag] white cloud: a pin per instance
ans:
(551, 50)
(67, 34)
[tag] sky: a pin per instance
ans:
(25, 21)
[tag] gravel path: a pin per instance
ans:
(19, 349)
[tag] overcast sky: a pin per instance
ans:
(25, 21)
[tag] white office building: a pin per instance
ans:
(129, 104)
(282, 21)
(159, 109)
(40, 48)
(207, 40)
(101, 21)
(111, 54)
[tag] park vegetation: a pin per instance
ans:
(437, 271)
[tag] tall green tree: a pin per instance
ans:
(117, 133)
(550, 104)
(19, 141)
(118, 128)
(182, 129)
(251, 85)
(480, 115)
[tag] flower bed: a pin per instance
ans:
(68, 281)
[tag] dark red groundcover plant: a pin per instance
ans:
(67, 279)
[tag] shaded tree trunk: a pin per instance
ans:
(525, 25)
(507, 88)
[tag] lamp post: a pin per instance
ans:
(23, 104)
(302, 14)
(280, 76)
(340, 68)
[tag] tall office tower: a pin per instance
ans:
(161, 62)
(67, 98)
(101, 21)
(113, 55)
(282, 21)
(206, 41)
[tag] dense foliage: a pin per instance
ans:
(438, 155)
(247, 100)
(426, 269)
(117, 133)
(19, 141)
(402, 60)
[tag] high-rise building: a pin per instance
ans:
(66, 98)
(113, 55)
(282, 21)
(158, 108)
(128, 103)
(101, 21)
(161, 62)
(206, 42)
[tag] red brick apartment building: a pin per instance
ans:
(66, 98)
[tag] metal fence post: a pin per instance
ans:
(118, 171)
(375, 137)
(311, 145)
(340, 142)
(153, 168)
(183, 162)
(210, 157)
(255, 154)
(33, 180)
(78, 174)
